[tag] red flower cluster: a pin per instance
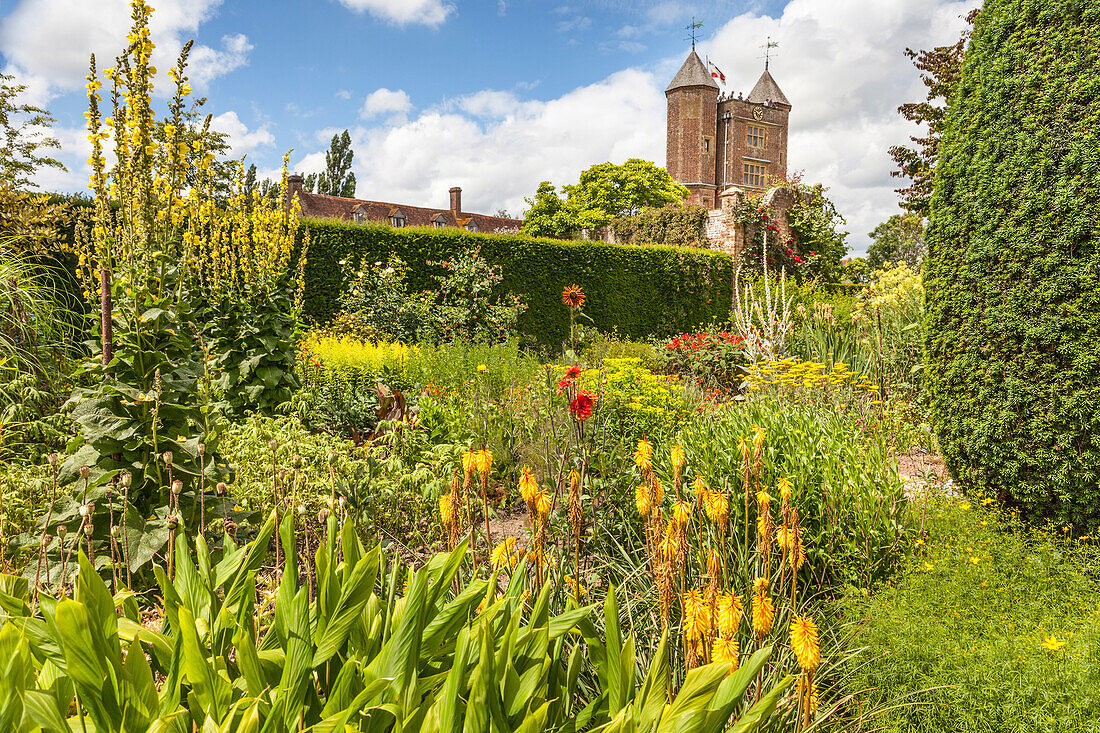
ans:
(581, 406)
(570, 375)
(690, 343)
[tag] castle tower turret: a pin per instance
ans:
(691, 144)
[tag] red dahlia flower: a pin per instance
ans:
(581, 406)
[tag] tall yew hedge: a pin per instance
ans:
(638, 291)
(1012, 325)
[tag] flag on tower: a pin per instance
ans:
(716, 72)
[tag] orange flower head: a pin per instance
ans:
(728, 610)
(717, 506)
(573, 296)
(725, 650)
(699, 485)
(641, 498)
(678, 458)
(484, 462)
(574, 481)
(804, 643)
(763, 615)
(469, 462)
(681, 513)
(543, 504)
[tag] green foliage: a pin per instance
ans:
(355, 655)
(146, 399)
(816, 225)
(606, 191)
(377, 306)
(638, 291)
(850, 499)
(679, 224)
(636, 402)
(1011, 335)
(898, 239)
(23, 136)
(37, 331)
(712, 360)
(548, 215)
(469, 302)
(960, 632)
(253, 351)
(337, 178)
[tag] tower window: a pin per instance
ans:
(706, 144)
(756, 136)
(755, 175)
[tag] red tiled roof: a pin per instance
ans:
(337, 207)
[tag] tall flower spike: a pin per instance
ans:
(804, 643)
(641, 499)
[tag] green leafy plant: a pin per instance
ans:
(1011, 339)
(355, 651)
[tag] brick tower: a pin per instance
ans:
(716, 140)
(690, 148)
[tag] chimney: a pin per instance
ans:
(293, 188)
(456, 199)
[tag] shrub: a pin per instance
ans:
(638, 291)
(683, 225)
(960, 633)
(1011, 335)
(848, 495)
(713, 360)
(637, 402)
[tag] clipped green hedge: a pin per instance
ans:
(638, 291)
(1012, 325)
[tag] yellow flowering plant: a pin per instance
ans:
(169, 263)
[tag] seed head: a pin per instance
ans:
(172, 521)
(116, 531)
(202, 449)
(52, 458)
(85, 472)
(273, 444)
(177, 487)
(126, 479)
(167, 456)
(221, 488)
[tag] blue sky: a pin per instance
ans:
(497, 95)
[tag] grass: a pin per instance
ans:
(962, 628)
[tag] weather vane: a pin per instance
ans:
(695, 25)
(768, 46)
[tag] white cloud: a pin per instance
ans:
(498, 147)
(206, 64)
(343, 94)
(241, 140)
(403, 12)
(842, 65)
(386, 101)
(50, 41)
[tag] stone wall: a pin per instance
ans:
(723, 231)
